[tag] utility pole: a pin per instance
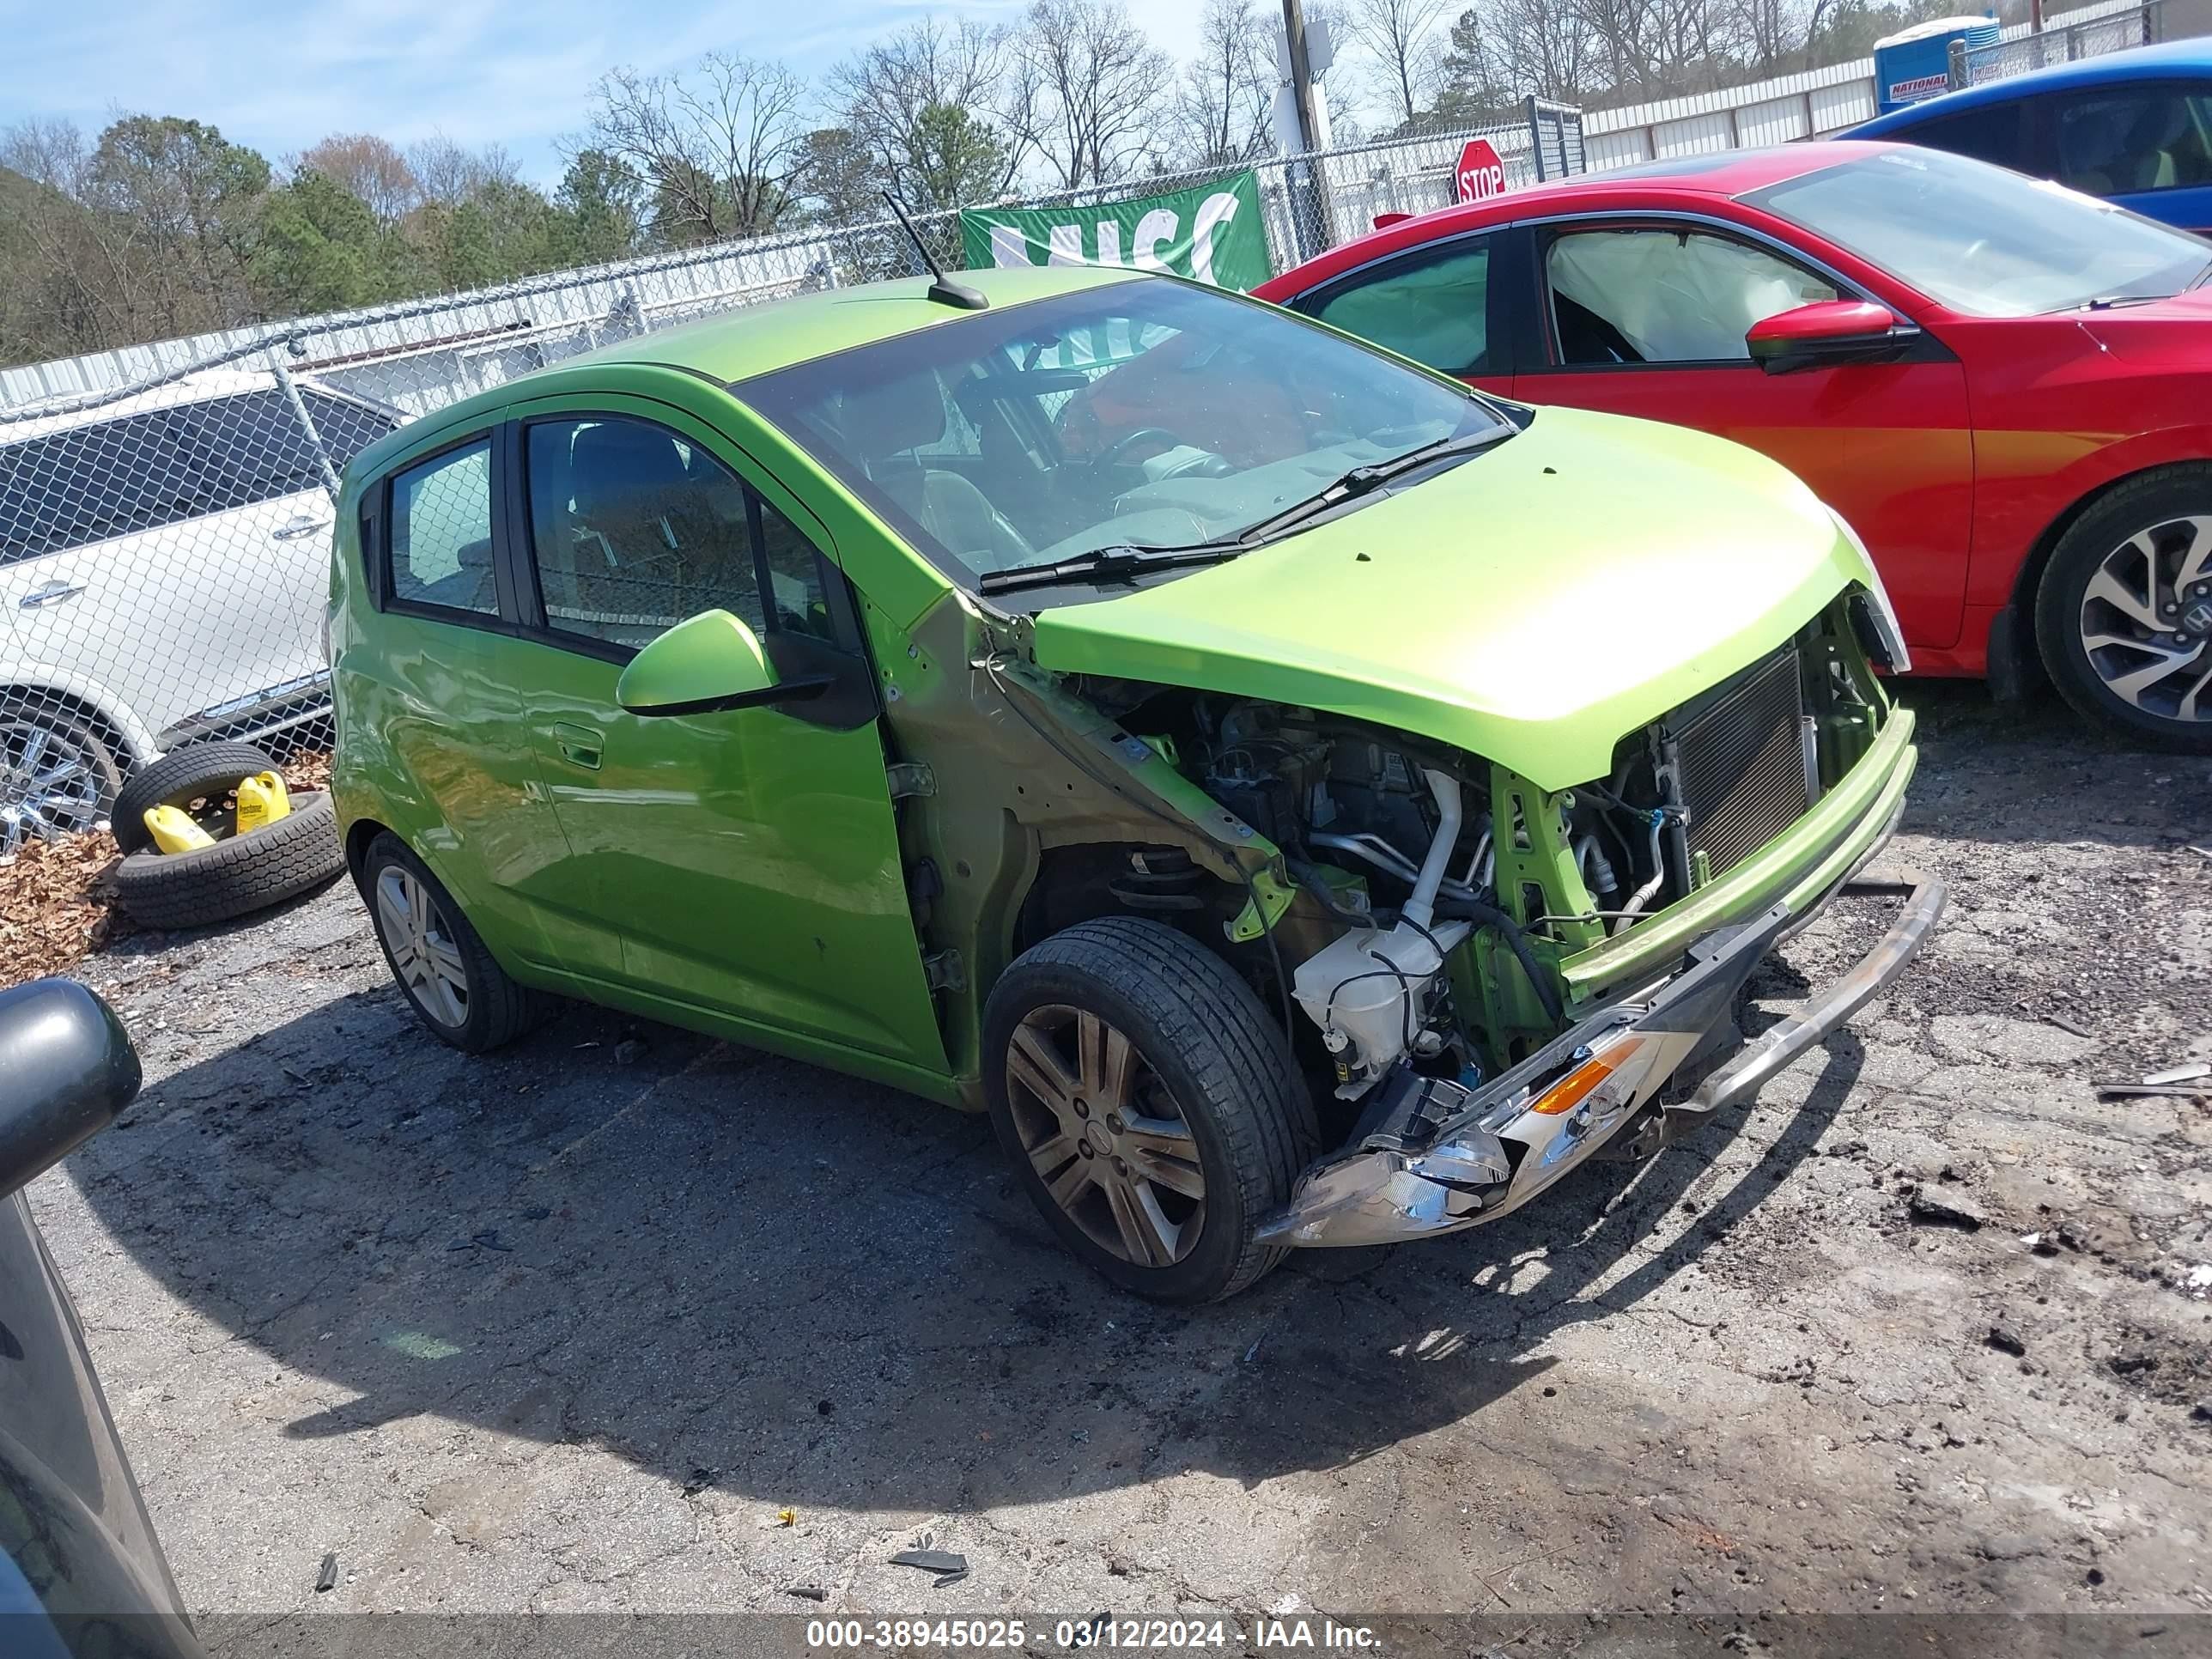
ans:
(1294, 27)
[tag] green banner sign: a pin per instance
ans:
(1212, 232)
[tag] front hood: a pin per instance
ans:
(2174, 332)
(1530, 606)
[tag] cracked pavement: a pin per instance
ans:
(554, 1331)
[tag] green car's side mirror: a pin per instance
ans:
(704, 664)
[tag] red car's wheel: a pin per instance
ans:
(2124, 611)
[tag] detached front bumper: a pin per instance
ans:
(1433, 1157)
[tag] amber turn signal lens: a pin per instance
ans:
(1577, 1086)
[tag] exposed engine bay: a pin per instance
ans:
(1397, 846)
(1406, 851)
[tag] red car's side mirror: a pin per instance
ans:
(1827, 332)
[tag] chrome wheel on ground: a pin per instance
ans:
(1105, 1137)
(2123, 608)
(1151, 1106)
(452, 980)
(56, 779)
(420, 941)
(2145, 620)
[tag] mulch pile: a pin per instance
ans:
(54, 907)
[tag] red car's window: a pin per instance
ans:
(1661, 294)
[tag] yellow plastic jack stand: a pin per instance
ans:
(261, 801)
(173, 832)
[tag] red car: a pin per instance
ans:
(2005, 386)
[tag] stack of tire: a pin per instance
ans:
(239, 874)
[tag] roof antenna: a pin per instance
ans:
(945, 291)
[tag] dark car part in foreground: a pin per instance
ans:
(81, 1571)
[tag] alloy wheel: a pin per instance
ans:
(50, 784)
(421, 940)
(1104, 1136)
(2145, 620)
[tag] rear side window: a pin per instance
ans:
(1991, 133)
(91, 483)
(253, 449)
(441, 537)
(2130, 140)
(1434, 308)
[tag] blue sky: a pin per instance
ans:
(280, 74)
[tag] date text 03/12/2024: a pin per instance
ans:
(1102, 1632)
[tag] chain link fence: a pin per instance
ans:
(165, 537)
(2141, 26)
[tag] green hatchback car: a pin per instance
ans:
(1305, 801)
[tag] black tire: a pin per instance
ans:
(1205, 1038)
(497, 1009)
(2142, 505)
(235, 878)
(198, 779)
(58, 773)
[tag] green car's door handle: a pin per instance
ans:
(579, 744)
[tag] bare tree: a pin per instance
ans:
(1222, 102)
(1097, 88)
(449, 173)
(893, 96)
(1401, 38)
(720, 150)
(1539, 46)
(372, 169)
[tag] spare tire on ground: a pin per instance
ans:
(234, 878)
(198, 780)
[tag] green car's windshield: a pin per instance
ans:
(1984, 241)
(1140, 414)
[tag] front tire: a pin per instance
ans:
(450, 979)
(56, 777)
(1152, 1110)
(2124, 612)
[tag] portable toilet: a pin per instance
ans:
(1916, 62)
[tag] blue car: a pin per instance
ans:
(2134, 127)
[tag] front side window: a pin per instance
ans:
(1434, 308)
(441, 532)
(2130, 140)
(91, 483)
(1658, 294)
(1984, 241)
(1143, 413)
(633, 529)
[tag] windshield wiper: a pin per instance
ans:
(1364, 479)
(1117, 562)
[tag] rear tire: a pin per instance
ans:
(2124, 611)
(199, 779)
(1153, 1112)
(438, 960)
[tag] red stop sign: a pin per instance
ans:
(1481, 174)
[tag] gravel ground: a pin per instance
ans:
(1926, 1329)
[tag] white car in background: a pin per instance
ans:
(164, 565)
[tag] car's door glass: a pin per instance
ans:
(2127, 140)
(633, 529)
(1433, 308)
(90, 483)
(442, 532)
(1990, 133)
(1663, 295)
(795, 577)
(254, 448)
